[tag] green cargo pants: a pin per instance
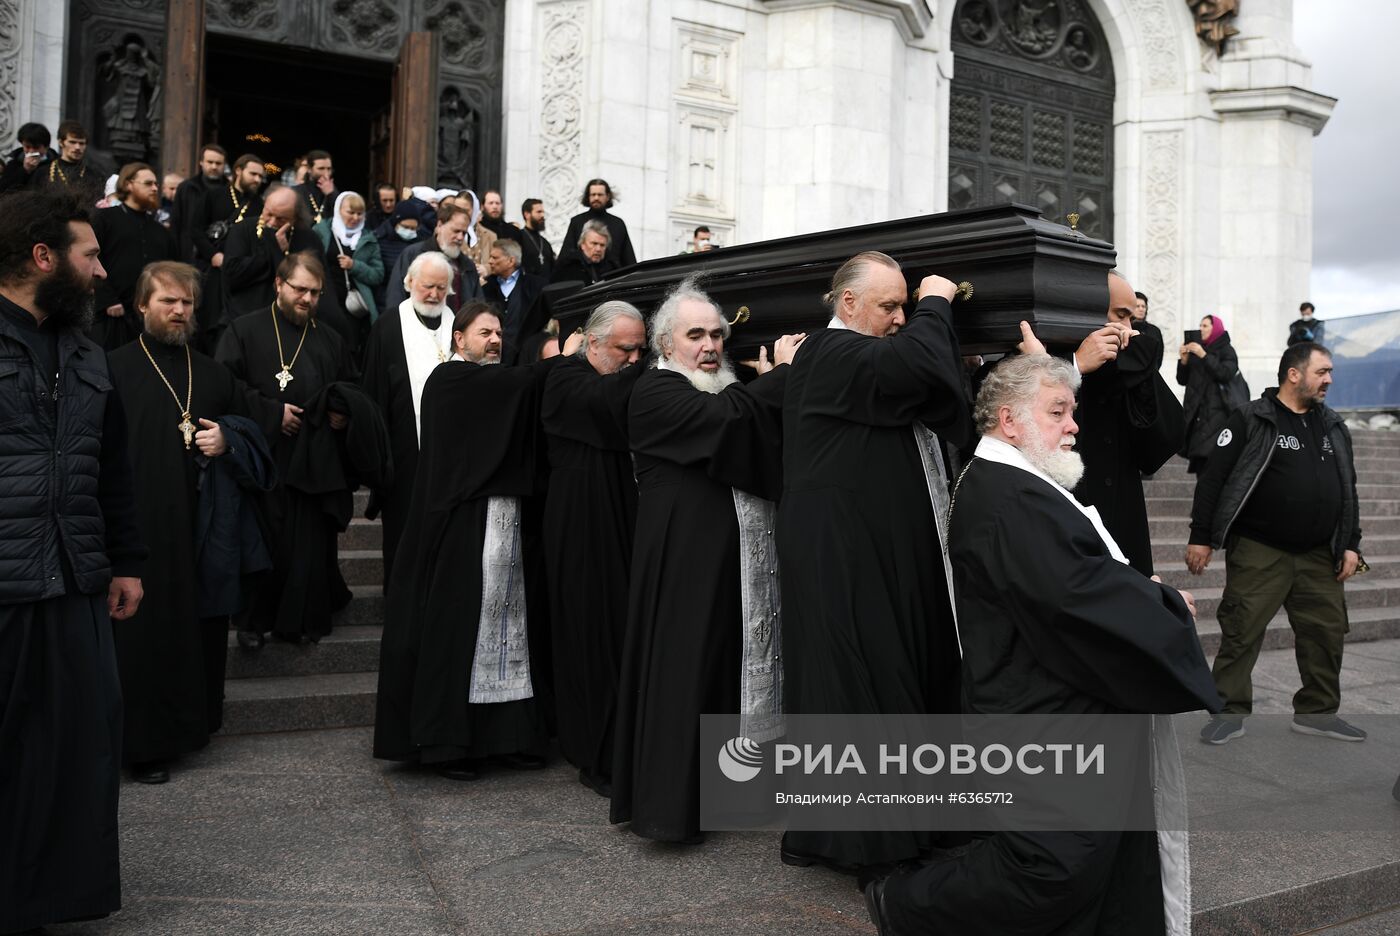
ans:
(1258, 580)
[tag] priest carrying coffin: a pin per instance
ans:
(462, 675)
(1054, 620)
(403, 348)
(865, 492)
(703, 621)
(589, 519)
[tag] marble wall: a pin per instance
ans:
(31, 65)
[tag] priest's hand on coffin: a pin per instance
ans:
(935, 285)
(1102, 346)
(115, 311)
(291, 419)
(573, 343)
(1029, 343)
(123, 597)
(1198, 558)
(338, 420)
(785, 348)
(210, 440)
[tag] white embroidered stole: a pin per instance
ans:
(420, 351)
(501, 665)
(761, 672)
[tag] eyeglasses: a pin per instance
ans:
(313, 291)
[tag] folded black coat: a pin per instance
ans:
(317, 466)
(228, 543)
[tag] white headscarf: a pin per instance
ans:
(476, 216)
(425, 194)
(349, 236)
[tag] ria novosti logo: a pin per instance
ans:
(740, 759)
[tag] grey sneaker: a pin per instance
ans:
(1327, 726)
(1222, 730)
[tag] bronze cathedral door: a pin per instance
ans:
(1031, 110)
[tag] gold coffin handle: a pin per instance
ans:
(964, 292)
(740, 317)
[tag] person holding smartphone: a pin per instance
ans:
(1206, 364)
(22, 162)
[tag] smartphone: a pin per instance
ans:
(1192, 334)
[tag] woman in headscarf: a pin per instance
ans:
(1205, 368)
(354, 266)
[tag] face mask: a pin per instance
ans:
(407, 234)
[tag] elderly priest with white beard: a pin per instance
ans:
(1053, 619)
(403, 348)
(464, 661)
(703, 620)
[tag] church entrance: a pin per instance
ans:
(279, 103)
(1031, 110)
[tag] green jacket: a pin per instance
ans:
(367, 270)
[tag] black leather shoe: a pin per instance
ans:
(250, 640)
(459, 770)
(801, 860)
(875, 906)
(150, 772)
(522, 761)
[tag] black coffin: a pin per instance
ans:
(1020, 266)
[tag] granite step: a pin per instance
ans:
(362, 534)
(1365, 462)
(1162, 528)
(1169, 508)
(1173, 571)
(297, 703)
(1169, 552)
(367, 606)
(1367, 591)
(347, 649)
(1367, 624)
(362, 567)
(1366, 489)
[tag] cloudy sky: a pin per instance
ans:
(1356, 174)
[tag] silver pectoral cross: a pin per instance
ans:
(284, 377)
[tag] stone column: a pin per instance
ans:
(31, 65)
(1267, 121)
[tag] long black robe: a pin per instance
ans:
(250, 265)
(215, 203)
(1052, 623)
(589, 520)
(249, 349)
(620, 251)
(481, 438)
(1129, 423)
(867, 628)
(682, 654)
(171, 661)
(387, 383)
(129, 240)
(187, 213)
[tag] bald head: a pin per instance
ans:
(1122, 301)
(280, 207)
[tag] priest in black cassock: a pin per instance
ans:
(709, 465)
(178, 406)
(1054, 620)
(461, 673)
(404, 347)
(221, 204)
(865, 492)
(256, 246)
(597, 199)
(589, 519)
(131, 237)
(291, 361)
(189, 200)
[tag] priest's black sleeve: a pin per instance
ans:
(116, 493)
(104, 293)
(582, 405)
(1095, 623)
(247, 261)
(914, 374)
(1219, 467)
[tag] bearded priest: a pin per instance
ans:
(403, 348)
(704, 616)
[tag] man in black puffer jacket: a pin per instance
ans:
(1279, 494)
(70, 557)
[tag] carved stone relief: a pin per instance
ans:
(563, 30)
(9, 69)
(704, 128)
(457, 139)
(1160, 43)
(1162, 220)
(1211, 25)
(1062, 33)
(465, 29)
(129, 101)
(370, 25)
(259, 15)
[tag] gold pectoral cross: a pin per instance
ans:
(284, 377)
(187, 430)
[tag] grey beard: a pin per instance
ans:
(449, 251)
(705, 381)
(429, 311)
(174, 337)
(1064, 468)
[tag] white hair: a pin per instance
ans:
(1015, 383)
(663, 323)
(428, 259)
(600, 323)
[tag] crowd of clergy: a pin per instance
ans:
(592, 538)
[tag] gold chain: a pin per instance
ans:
(286, 371)
(53, 168)
(315, 208)
(243, 208)
(186, 425)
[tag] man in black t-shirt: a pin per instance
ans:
(1279, 494)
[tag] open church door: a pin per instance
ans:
(413, 119)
